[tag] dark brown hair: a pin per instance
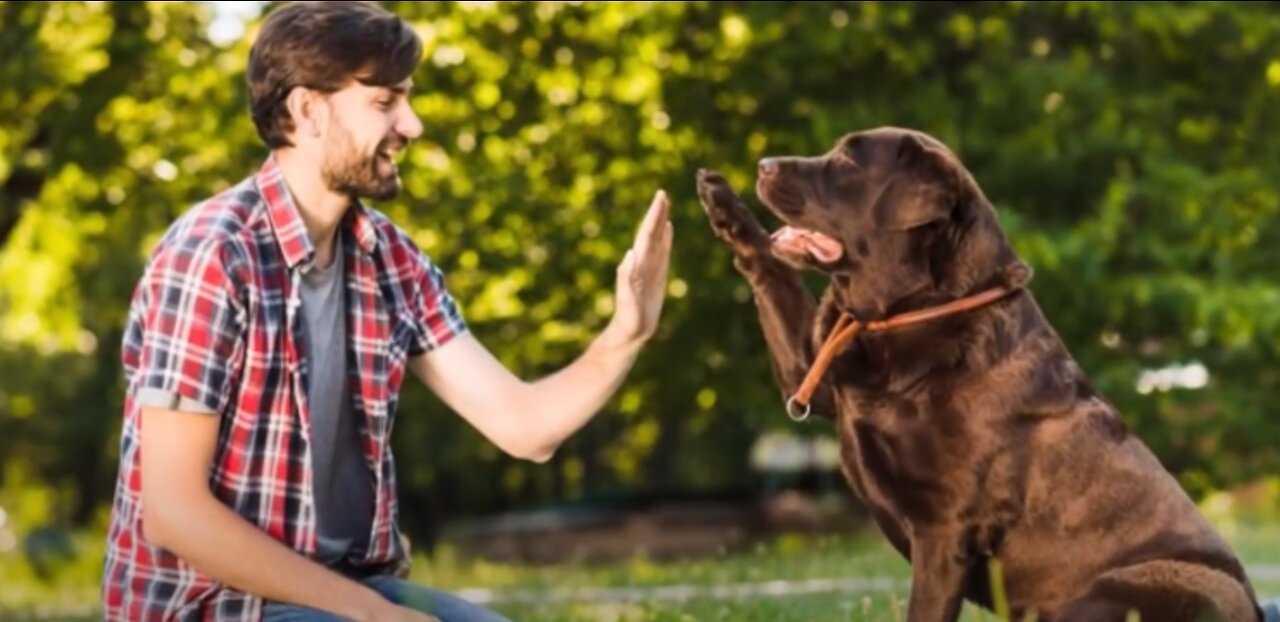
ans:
(323, 46)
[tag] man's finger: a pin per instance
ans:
(649, 238)
(644, 234)
(654, 265)
(663, 260)
(662, 207)
(668, 236)
(657, 214)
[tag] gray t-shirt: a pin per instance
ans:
(343, 482)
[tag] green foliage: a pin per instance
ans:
(1129, 148)
(873, 585)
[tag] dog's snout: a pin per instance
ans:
(768, 167)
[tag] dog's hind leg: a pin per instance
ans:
(1165, 590)
(1097, 609)
(785, 306)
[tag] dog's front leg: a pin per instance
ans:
(938, 569)
(785, 307)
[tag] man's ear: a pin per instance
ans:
(924, 187)
(307, 110)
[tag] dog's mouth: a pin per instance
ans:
(780, 198)
(798, 244)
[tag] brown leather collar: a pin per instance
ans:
(847, 328)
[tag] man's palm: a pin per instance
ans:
(642, 275)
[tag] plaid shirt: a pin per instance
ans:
(216, 319)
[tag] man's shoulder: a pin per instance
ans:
(421, 284)
(218, 227)
(403, 250)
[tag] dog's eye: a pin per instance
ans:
(846, 155)
(858, 147)
(850, 150)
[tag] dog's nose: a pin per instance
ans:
(768, 166)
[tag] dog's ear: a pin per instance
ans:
(924, 187)
(1017, 274)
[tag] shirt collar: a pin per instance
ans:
(287, 224)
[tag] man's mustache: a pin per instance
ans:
(394, 141)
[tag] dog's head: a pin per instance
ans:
(893, 215)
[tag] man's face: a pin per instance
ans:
(368, 127)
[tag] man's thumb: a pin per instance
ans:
(628, 262)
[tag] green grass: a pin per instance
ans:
(790, 557)
(851, 608)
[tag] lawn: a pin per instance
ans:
(790, 578)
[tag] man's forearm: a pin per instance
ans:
(560, 404)
(211, 537)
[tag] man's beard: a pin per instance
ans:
(357, 175)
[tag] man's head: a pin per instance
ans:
(893, 213)
(330, 80)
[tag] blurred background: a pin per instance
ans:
(1132, 153)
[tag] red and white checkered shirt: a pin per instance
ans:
(216, 319)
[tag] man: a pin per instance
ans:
(267, 342)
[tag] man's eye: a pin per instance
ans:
(386, 104)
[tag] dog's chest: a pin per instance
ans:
(900, 454)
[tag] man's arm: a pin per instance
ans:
(528, 420)
(531, 419)
(181, 515)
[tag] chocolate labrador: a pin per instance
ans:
(965, 425)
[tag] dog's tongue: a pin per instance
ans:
(800, 241)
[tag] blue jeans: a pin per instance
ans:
(446, 607)
(1271, 609)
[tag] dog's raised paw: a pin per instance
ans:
(730, 218)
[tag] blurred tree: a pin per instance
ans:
(1129, 148)
(106, 138)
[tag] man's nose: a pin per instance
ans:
(409, 125)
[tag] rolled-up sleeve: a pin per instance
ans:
(192, 330)
(436, 311)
